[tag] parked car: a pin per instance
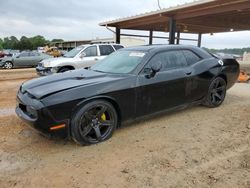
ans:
(80, 57)
(132, 83)
(2, 54)
(24, 59)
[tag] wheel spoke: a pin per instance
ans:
(106, 123)
(101, 111)
(218, 96)
(222, 88)
(97, 132)
(213, 98)
(88, 116)
(217, 84)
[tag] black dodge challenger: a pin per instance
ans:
(132, 83)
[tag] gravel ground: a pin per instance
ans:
(195, 147)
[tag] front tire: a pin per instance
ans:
(94, 122)
(216, 93)
(8, 65)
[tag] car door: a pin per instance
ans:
(167, 88)
(22, 60)
(88, 57)
(196, 83)
(35, 58)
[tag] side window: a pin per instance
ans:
(191, 57)
(117, 47)
(106, 49)
(169, 60)
(24, 54)
(91, 51)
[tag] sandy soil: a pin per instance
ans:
(196, 147)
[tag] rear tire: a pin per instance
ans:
(95, 122)
(216, 93)
(8, 65)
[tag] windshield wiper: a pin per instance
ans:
(96, 70)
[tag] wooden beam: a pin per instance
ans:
(214, 10)
(178, 37)
(150, 37)
(172, 30)
(199, 40)
(118, 35)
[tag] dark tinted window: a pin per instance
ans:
(106, 49)
(191, 57)
(117, 47)
(91, 51)
(24, 54)
(169, 60)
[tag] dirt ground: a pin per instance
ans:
(196, 147)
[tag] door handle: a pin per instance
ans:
(96, 59)
(189, 73)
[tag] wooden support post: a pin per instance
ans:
(172, 30)
(178, 37)
(199, 39)
(150, 37)
(118, 35)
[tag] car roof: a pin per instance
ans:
(159, 47)
(87, 45)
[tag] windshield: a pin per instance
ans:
(74, 52)
(119, 62)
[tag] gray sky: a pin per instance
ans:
(79, 19)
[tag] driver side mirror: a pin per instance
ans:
(82, 55)
(151, 72)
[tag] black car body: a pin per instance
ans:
(53, 101)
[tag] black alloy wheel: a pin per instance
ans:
(94, 123)
(216, 93)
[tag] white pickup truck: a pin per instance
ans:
(80, 57)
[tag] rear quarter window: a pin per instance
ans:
(117, 47)
(191, 57)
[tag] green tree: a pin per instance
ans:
(10, 42)
(25, 44)
(1, 44)
(38, 41)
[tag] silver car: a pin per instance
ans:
(24, 59)
(80, 57)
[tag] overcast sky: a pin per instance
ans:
(79, 19)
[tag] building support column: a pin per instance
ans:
(178, 37)
(172, 30)
(151, 37)
(199, 40)
(118, 35)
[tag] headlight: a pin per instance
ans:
(31, 111)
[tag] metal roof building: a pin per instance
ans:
(199, 17)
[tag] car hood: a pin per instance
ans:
(53, 62)
(45, 86)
